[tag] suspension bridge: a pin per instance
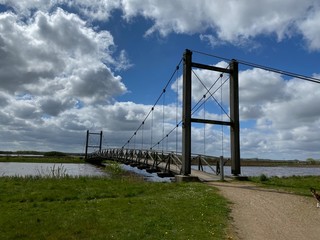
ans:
(179, 161)
(169, 150)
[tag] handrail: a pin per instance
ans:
(146, 157)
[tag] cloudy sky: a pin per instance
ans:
(71, 66)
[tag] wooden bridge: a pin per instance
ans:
(181, 163)
(164, 164)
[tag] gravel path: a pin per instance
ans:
(263, 214)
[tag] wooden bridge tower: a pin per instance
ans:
(93, 146)
(187, 119)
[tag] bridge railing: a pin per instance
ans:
(168, 161)
(154, 160)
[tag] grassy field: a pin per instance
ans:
(100, 208)
(296, 184)
(123, 207)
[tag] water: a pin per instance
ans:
(271, 171)
(47, 169)
(153, 177)
(82, 169)
(70, 169)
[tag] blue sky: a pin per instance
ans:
(70, 66)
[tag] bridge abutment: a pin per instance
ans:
(186, 178)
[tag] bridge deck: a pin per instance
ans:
(205, 176)
(165, 164)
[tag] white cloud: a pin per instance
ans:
(97, 10)
(57, 52)
(287, 125)
(298, 109)
(211, 40)
(53, 65)
(256, 88)
(309, 28)
(57, 79)
(232, 21)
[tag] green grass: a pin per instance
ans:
(99, 208)
(296, 184)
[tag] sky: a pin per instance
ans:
(71, 66)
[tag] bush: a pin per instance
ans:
(114, 168)
(263, 178)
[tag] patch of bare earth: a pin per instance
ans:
(262, 214)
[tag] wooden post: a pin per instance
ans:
(234, 115)
(100, 144)
(186, 113)
(221, 168)
(87, 143)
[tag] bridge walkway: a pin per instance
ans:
(164, 164)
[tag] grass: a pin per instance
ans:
(100, 208)
(296, 184)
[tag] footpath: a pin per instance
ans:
(264, 214)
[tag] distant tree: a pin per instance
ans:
(311, 161)
(29, 152)
(55, 154)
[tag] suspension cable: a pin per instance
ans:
(134, 140)
(158, 99)
(222, 132)
(201, 100)
(212, 55)
(204, 126)
(177, 106)
(151, 129)
(142, 135)
(168, 134)
(266, 68)
(208, 98)
(163, 114)
(209, 91)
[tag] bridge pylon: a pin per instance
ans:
(187, 119)
(92, 146)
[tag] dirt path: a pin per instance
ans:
(263, 214)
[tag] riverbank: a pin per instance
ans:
(299, 185)
(101, 208)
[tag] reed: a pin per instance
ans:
(53, 172)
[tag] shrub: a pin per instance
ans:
(263, 178)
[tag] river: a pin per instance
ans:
(67, 169)
(49, 169)
(84, 169)
(279, 171)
